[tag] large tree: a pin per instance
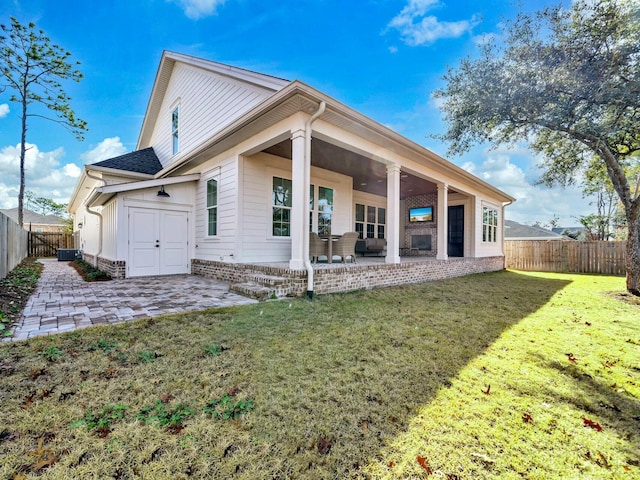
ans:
(567, 81)
(32, 67)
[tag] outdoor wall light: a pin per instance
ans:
(162, 193)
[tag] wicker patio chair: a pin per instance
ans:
(317, 247)
(345, 246)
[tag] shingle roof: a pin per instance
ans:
(32, 217)
(140, 161)
(513, 230)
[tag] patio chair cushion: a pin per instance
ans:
(371, 245)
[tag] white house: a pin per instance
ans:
(234, 168)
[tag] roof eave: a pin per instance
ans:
(101, 195)
(299, 88)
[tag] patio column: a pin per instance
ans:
(298, 223)
(393, 213)
(443, 220)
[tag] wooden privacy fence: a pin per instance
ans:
(565, 256)
(46, 244)
(13, 245)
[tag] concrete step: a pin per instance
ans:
(252, 290)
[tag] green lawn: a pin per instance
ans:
(502, 375)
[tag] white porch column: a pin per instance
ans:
(393, 213)
(443, 220)
(298, 202)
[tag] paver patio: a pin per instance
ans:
(63, 301)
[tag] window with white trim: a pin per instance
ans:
(212, 207)
(281, 207)
(174, 129)
(370, 221)
(325, 210)
(489, 224)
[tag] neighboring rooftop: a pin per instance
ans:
(517, 231)
(140, 161)
(29, 216)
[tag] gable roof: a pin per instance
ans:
(140, 161)
(163, 76)
(29, 216)
(517, 231)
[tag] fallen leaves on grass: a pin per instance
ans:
(590, 423)
(324, 446)
(28, 400)
(527, 418)
(44, 456)
(422, 461)
(487, 391)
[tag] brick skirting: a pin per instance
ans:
(115, 268)
(350, 277)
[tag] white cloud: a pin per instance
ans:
(108, 148)
(418, 29)
(195, 9)
(484, 39)
(534, 203)
(45, 175)
(4, 109)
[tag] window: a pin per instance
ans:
(281, 207)
(212, 207)
(382, 219)
(489, 224)
(325, 210)
(174, 130)
(360, 220)
(374, 227)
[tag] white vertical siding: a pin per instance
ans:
(208, 102)
(89, 231)
(109, 230)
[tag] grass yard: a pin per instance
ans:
(502, 375)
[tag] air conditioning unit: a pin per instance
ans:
(67, 254)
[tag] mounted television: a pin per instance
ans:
(421, 214)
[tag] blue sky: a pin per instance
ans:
(381, 57)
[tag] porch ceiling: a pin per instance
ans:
(368, 175)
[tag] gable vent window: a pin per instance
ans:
(174, 130)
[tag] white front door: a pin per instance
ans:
(158, 242)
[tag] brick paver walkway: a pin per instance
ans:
(64, 302)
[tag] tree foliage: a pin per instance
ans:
(567, 81)
(45, 206)
(32, 68)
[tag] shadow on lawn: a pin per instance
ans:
(356, 381)
(619, 411)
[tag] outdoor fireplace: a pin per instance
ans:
(421, 242)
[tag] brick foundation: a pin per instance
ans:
(115, 268)
(350, 277)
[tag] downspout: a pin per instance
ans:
(99, 215)
(307, 182)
